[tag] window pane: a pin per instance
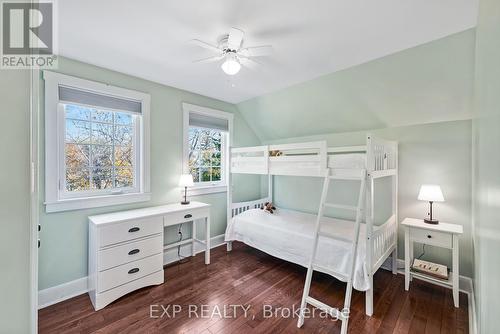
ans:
(77, 112)
(194, 159)
(99, 152)
(102, 133)
(124, 177)
(77, 179)
(101, 178)
(205, 174)
(77, 156)
(123, 156)
(102, 156)
(77, 131)
(196, 174)
(216, 158)
(193, 138)
(206, 157)
(216, 173)
(102, 116)
(123, 135)
(205, 154)
(123, 118)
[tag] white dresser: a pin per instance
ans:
(126, 248)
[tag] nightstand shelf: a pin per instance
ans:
(442, 235)
(432, 279)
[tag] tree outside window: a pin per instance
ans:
(205, 154)
(98, 149)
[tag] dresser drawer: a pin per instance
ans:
(431, 237)
(135, 250)
(185, 216)
(117, 276)
(129, 230)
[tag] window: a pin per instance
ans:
(205, 152)
(96, 144)
(206, 142)
(98, 150)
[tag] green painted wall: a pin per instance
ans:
(425, 84)
(63, 255)
(14, 198)
(437, 153)
(487, 167)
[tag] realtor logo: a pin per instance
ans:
(27, 35)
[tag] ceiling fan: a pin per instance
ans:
(230, 49)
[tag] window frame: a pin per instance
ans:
(56, 196)
(201, 188)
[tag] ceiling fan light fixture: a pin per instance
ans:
(231, 64)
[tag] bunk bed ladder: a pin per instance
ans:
(348, 277)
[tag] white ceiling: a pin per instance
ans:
(150, 39)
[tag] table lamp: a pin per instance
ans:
(431, 193)
(186, 180)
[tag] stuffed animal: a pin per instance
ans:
(275, 153)
(269, 207)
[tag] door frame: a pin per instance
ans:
(34, 106)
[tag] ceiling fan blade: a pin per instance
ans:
(208, 59)
(258, 51)
(206, 45)
(250, 63)
(235, 39)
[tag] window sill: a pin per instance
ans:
(203, 190)
(95, 202)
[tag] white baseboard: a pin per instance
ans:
(465, 286)
(59, 293)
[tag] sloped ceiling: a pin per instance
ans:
(150, 39)
(429, 83)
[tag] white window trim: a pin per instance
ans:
(53, 156)
(219, 187)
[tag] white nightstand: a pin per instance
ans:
(441, 235)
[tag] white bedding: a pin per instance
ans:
(288, 235)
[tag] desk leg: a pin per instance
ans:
(193, 236)
(455, 271)
(207, 240)
(407, 258)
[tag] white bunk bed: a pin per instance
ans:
(288, 234)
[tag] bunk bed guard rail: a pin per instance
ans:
(298, 159)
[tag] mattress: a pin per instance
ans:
(347, 160)
(288, 235)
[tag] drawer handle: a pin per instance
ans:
(188, 215)
(429, 236)
(133, 251)
(134, 229)
(133, 271)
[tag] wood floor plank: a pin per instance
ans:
(252, 278)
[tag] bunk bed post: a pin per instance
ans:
(369, 225)
(270, 187)
(395, 209)
(229, 210)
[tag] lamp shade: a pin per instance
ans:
(430, 193)
(186, 180)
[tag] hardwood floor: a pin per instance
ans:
(256, 280)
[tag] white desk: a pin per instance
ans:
(441, 235)
(126, 248)
(177, 213)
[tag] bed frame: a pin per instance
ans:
(315, 159)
